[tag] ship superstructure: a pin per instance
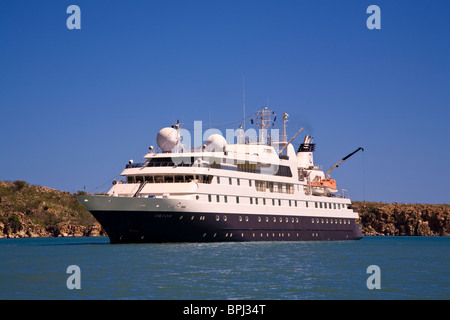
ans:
(254, 189)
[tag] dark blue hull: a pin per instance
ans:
(145, 227)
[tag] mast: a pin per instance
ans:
(263, 121)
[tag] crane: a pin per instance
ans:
(327, 174)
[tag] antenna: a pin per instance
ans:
(243, 96)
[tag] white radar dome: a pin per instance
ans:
(167, 139)
(215, 143)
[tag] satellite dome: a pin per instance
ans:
(215, 143)
(167, 139)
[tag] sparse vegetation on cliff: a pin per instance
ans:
(404, 219)
(35, 211)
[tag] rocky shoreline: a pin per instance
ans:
(28, 211)
(403, 219)
(36, 211)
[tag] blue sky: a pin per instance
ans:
(76, 105)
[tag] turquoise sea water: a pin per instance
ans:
(410, 268)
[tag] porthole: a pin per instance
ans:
(224, 218)
(312, 220)
(296, 220)
(287, 219)
(259, 219)
(217, 218)
(197, 197)
(181, 217)
(240, 218)
(274, 219)
(267, 219)
(281, 219)
(246, 219)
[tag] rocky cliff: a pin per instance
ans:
(35, 211)
(403, 219)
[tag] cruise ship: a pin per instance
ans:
(243, 188)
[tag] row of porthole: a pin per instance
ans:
(335, 221)
(280, 234)
(274, 219)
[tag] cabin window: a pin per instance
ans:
(320, 203)
(130, 179)
(218, 198)
(280, 187)
(229, 181)
(179, 179)
(168, 179)
(209, 197)
(290, 203)
(238, 181)
(316, 205)
(249, 183)
(158, 179)
(264, 201)
(279, 202)
(237, 199)
(218, 180)
(139, 179)
(273, 202)
(225, 198)
(251, 200)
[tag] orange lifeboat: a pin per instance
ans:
(328, 185)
